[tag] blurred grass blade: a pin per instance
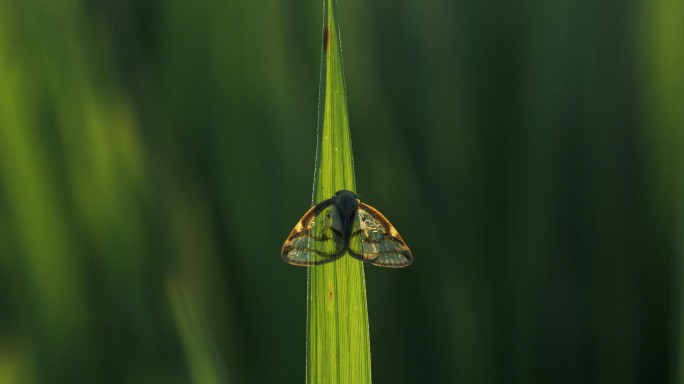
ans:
(662, 58)
(203, 362)
(338, 343)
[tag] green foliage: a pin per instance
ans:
(338, 344)
(154, 155)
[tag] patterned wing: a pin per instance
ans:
(375, 240)
(316, 239)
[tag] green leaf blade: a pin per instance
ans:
(338, 341)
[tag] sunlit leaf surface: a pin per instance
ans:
(338, 345)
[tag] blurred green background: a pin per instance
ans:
(155, 154)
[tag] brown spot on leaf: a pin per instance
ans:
(326, 38)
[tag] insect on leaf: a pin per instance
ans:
(345, 224)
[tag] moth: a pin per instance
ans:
(344, 224)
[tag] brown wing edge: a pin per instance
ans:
(301, 228)
(392, 231)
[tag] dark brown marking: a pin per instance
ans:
(326, 38)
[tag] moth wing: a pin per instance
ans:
(375, 240)
(317, 237)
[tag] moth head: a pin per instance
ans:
(344, 192)
(345, 201)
